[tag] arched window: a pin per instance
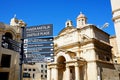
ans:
(8, 35)
(67, 24)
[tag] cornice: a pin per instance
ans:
(103, 51)
(65, 29)
(71, 45)
(115, 10)
(100, 42)
(105, 62)
(117, 17)
(99, 61)
(64, 34)
(97, 43)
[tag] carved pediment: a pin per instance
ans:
(60, 50)
(84, 38)
(70, 53)
(66, 30)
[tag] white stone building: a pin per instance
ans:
(37, 71)
(115, 41)
(82, 53)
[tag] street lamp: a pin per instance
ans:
(105, 25)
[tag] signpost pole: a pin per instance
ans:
(22, 53)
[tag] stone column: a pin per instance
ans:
(67, 73)
(48, 74)
(77, 72)
(55, 74)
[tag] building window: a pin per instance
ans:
(6, 60)
(4, 76)
(25, 69)
(29, 69)
(115, 61)
(34, 70)
(45, 76)
(33, 75)
(107, 58)
(67, 24)
(45, 71)
(41, 71)
(41, 66)
(26, 75)
(8, 35)
(45, 66)
(41, 76)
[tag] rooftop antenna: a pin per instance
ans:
(105, 25)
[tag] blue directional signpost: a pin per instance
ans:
(38, 43)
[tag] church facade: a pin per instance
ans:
(82, 53)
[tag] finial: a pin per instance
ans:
(80, 12)
(14, 15)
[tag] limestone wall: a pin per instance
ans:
(100, 35)
(108, 71)
(14, 64)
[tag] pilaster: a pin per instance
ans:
(77, 72)
(48, 74)
(67, 72)
(56, 73)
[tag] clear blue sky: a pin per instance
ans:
(56, 12)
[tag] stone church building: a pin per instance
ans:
(82, 53)
(85, 52)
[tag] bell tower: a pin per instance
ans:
(68, 23)
(81, 20)
(115, 4)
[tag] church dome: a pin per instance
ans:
(81, 20)
(81, 15)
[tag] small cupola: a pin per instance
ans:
(81, 20)
(14, 21)
(68, 23)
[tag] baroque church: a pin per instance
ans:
(86, 52)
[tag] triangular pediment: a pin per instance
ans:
(70, 53)
(60, 50)
(66, 30)
(67, 55)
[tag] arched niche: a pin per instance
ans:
(9, 35)
(61, 59)
(61, 64)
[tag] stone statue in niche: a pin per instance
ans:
(83, 38)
